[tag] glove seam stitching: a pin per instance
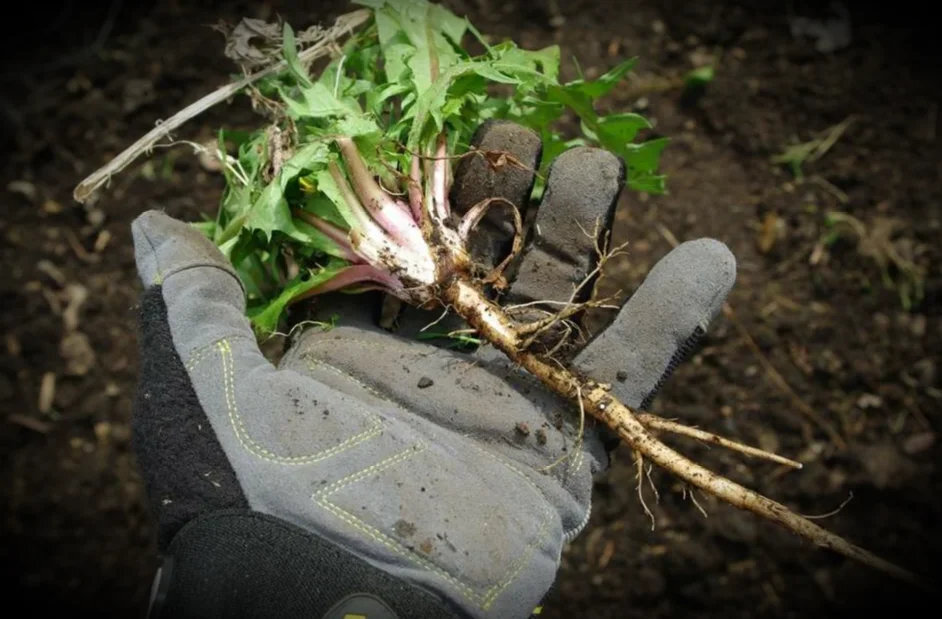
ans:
(254, 448)
(540, 535)
(573, 465)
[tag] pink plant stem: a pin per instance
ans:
(363, 220)
(393, 218)
(353, 275)
(335, 234)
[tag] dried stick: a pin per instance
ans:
(88, 188)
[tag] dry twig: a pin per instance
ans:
(88, 188)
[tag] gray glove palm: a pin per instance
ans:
(455, 474)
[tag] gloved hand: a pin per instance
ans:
(421, 481)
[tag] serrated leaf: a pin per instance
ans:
(329, 189)
(617, 130)
(644, 157)
(604, 84)
(400, 80)
(642, 161)
(573, 98)
(321, 102)
(354, 126)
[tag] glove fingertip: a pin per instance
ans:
(164, 245)
(663, 320)
(716, 258)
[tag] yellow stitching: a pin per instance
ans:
(250, 445)
(320, 498)
(483, 599)
(313, 363)
(575, 464)
(374, 468)
(197, 355)
(572, 466)
(196, 358)
(539, 537)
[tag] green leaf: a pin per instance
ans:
(574, 99)
(290, 51)
(642, 161)
(267, 316)
(644, 157)
(354, 126)
(605, 83)
(270, 212)
(401, 79)
(616, 131)
(329, 189)
(699, 77)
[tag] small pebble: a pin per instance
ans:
(425, 381)
(622, 376)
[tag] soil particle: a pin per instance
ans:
(404, 528)
(425, 382)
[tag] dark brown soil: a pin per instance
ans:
(858, 347)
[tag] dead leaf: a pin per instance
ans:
(254, 42)
(769, 232)
(607, 553)
(917, 443)
(52, 271)
(52, 207)
(47, 392)
(77, 353)
(101, 242)
(76, 295)
(28, 422)
(13, 345)
(869, 400)
(24, 188)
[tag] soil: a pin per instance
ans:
(839, 317)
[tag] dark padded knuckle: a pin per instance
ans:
(476, 179)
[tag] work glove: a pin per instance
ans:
(371, 473)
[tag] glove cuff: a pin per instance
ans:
(239, 563)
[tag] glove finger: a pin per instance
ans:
(479, 177)
(582, 189)
(204, 297)
(662, 321)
